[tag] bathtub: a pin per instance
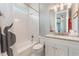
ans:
(25, 48)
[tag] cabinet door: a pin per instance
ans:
(74, 51)
(49, 50)
(61, 50)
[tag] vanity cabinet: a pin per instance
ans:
(61, 47)
(73, 51)
(49, 50)
(61, 50)
(55, 49)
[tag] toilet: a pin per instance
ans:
(38, 49)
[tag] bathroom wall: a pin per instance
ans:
(7, 15)
(7, 18)
(75, 21)
(34, 19)
(26, 23)
(34, 25)
(20, 23)
(44, 20)
(52, 19)
(35, 6)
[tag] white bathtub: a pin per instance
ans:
(25, 48)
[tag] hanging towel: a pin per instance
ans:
(7, 41)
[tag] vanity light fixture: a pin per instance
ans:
(55, 8)
(61, 6)
(51, 8)
(69, 5)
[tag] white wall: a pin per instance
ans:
(26, 24)
(34, 27)
(35, 6)
(7, 11)
(52, 19)
(7, 17)
(34, 21)
(75, 22)
(20, 24)
(44, 20)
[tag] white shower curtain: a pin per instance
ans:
(7, 35)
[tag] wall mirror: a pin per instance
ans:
(61, 21)
(60, 18)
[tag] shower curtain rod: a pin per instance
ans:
(31, 7)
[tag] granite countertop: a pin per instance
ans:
(63, 37)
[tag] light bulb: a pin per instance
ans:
(61, 6)
(69, 5)
(55, 9)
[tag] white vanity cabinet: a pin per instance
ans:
(49, 50)
(61, 50)
(61, 47)
(73, 51)
(55, 49)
